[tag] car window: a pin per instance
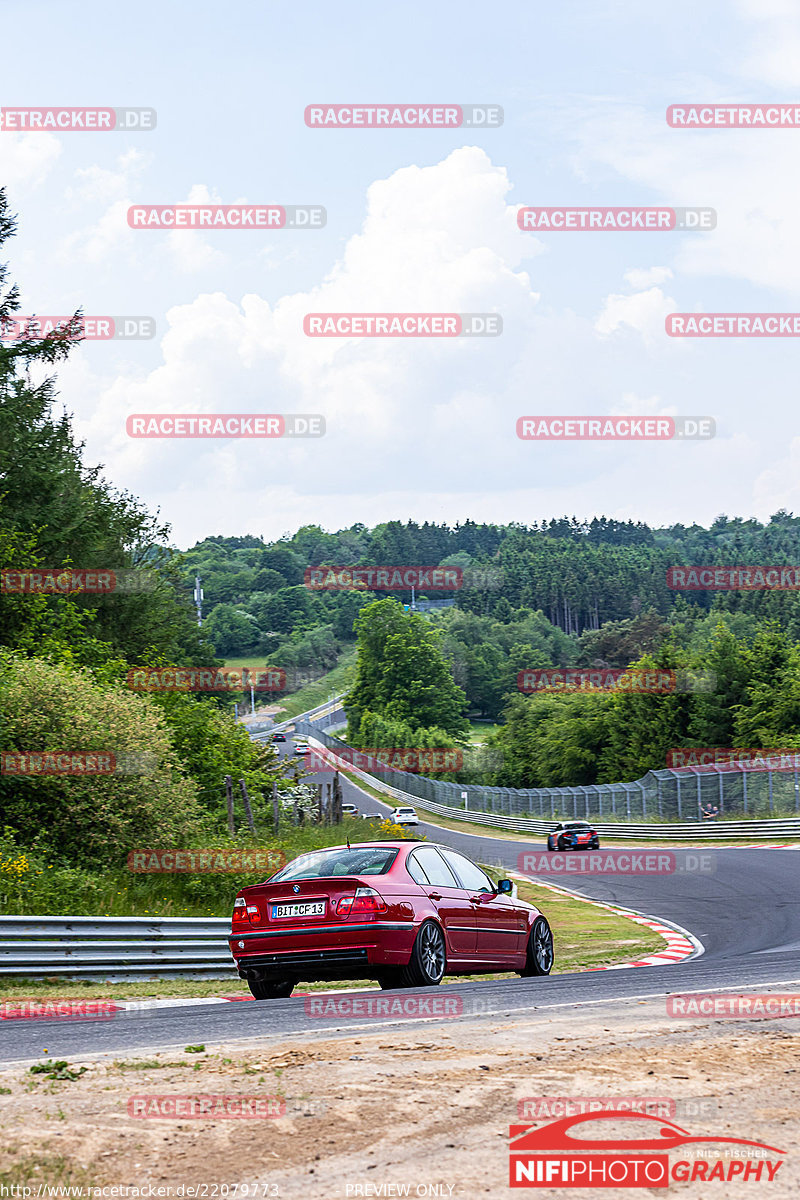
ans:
(435, 867)
(414, 868)
(472, 878)
(323, 864)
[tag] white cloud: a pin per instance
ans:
(457, 249)
(774, 51)
(26, 159)
(643, 277)
(98, 243)
(643, 312)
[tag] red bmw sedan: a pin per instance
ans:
(403, 913)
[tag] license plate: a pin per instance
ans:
(314, 908)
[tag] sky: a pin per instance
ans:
(418, 221)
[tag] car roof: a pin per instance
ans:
(409, 843)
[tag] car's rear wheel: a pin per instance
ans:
(540, 957)
(427, 964)
(270, 989)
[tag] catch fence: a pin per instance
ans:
(676, 794)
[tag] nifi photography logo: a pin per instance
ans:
(553, 1155)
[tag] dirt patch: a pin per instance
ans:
(420, 1107)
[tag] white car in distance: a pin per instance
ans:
(404, 816)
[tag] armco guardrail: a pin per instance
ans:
(112, 948)
(315, 715)
(694, 831)
(673, 794)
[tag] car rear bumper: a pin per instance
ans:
(329, 952)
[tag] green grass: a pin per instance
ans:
(120, 893)
(479, 730)
(313, 694)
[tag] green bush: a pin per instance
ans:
(91, 819)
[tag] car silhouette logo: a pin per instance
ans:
(296, 887)
(556, 1135)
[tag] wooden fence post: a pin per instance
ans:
(248, 810)
(229, 798)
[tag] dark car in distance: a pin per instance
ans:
(573, 835)
(403, 913)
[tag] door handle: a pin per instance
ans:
(434, 895)
(474, 899)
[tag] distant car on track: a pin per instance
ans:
(349, 810)
(404, 913)
(279, 737)
(301, 748)
(573, 835)
(372, 817)
(404, 816)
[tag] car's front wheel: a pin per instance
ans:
(540, 957)
(270, 989)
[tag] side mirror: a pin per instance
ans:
(505, 886)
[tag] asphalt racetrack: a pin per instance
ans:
(744, 910)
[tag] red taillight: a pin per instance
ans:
(365, 902)
(243, 912)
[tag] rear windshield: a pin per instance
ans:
(323, 864)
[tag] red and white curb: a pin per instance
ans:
(681, 944)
